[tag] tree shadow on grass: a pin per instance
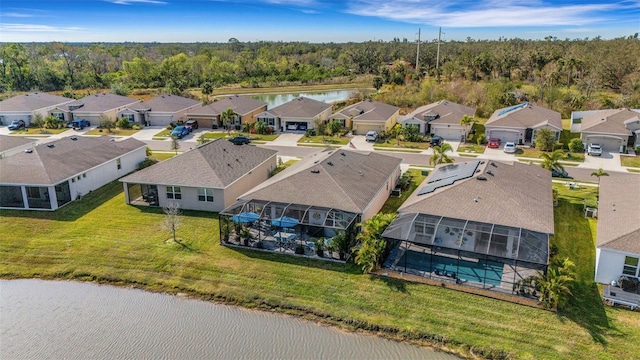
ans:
(392, 283)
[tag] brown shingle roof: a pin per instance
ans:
(30, 102)
(525, 115)
(448, 112)
(215, 164)
(58, 160)
(10, 142)
(101, 102)
(608, 121)
(514, 194)
(241, 105)
(301, 107)
(341, 179)
(369, 110)
(619, 212)
(165, 103)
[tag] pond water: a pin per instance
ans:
(72, 320)
(328, 96)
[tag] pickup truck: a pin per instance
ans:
(80, 124)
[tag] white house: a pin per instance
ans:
(614, 129)
(26, 106)
(519, 123)
(441, 118)
(93, 107)
(53, 174)
(159, 111)
(298, 114)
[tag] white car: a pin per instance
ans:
(371, 136)
(594, 150)
(510, 147)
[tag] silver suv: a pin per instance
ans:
(594, 150)
(372, 136)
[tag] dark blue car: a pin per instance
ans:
(180, 131)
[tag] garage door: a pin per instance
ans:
(362, 129)
(505, 135)
(610, 144)
(449, 133)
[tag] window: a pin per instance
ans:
(630, 266)
(119, 164)
(84, 175)
(78, 177)
(129, 117)
(58, 115)
(236, 119)
(173, 192)
(205, 195)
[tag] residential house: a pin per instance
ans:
(159, 111)
(26, 106)
(298, 114)
(53, 174)
(481, 223)
(94, 107)
(441, 118)
(616, 130)
(10, 145)
(244, 110)
(519, 123)
(209, 177)
(618, 232)
(367, 115)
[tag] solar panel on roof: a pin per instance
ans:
(504, 111)
(449, 174)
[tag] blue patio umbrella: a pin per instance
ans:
(245, 217)
(285, 222)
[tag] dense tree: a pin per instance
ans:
(545, 139)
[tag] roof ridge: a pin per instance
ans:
(619, 237)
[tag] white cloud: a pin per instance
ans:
(487, 13)
(35, 28)
(129, 2)
(17, 15)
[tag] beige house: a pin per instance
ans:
(519, 123)
(94, 107)
(616, 130)
(367, 115)
(209, 177)
(298, 114)
(441, 118)
(10, 145)
(244, 108)
(25, 107)
(159, 111)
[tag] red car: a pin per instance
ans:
(493, 143)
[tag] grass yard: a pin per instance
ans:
(114, 132)
(163, 155)
(38, 131)
(395, 144)
(324, 140)
(163, 134)
(393, 203)
(630, 161)
(535, 154)
(471, 148)
(100, 238)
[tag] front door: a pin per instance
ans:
(528, 135)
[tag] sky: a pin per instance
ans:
(315, 21)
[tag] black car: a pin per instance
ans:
(559, 173)
(436, 141)
(240, 140)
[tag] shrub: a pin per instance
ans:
(123, 123)
(147, 162)
(576, 145)
(310, 133)
(136, 127)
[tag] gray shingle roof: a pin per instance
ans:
(61, 159)
(448, 112)
(241, 105)
(101, 102)
(525, 115)
(608, 121)
(301, 107)
(369, 110)
(30, 102)
(10, 142)
(340, 179)
(619, 212)
(165, 103)
(215, 164)
(517, 195)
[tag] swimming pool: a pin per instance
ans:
(482, 271)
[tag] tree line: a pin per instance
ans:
(553, 66)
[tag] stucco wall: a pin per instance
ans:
(376, 204)
(249, 181)
(609, 265)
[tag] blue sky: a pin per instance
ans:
(311, 20)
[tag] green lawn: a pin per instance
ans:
(114, 132)
(36, 131)
(163, 155)
(393, 203)
(224, 135)
(163, 134)
(630, 161)
(535, 154)
(100, 238)
(471, 148)
(393, 143)
(325, 140)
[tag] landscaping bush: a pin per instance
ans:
(136, 127)
(576, 145)
(310, 133)
(123, 123)
(146, 163)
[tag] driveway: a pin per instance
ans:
(497, 154)
(607, 161)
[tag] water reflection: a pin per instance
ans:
(328, 96)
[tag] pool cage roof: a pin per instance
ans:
(489, 239)
(305, 214)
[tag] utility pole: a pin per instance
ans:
(438, 56)
(418, 54)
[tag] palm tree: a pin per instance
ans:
(396, 131)
(554, 286)
(552, 160)
(467, 122)
(226, 118)
(440, 154)
(371, 249)
(599, 173)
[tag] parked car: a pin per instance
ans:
(80, 124)
(16, 125)
(191, 125)
(372, 136)
(594, 150)
(436, 141)
(240, 140)
(493, 143)
(180, 131)
(560, 173)
(510, 147)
